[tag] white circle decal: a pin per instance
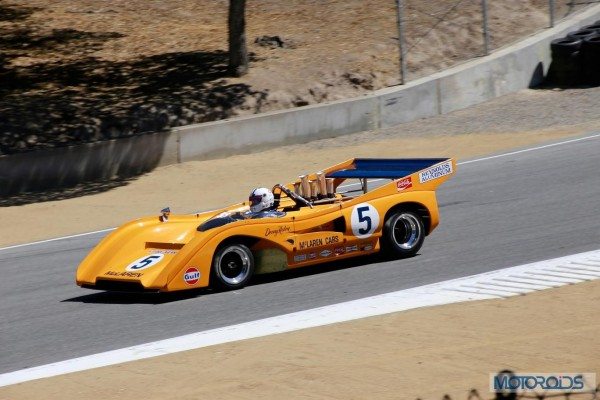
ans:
(364, 220)
(145, 262)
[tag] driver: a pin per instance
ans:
(262, 204)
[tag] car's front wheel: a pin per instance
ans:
(403, 234)
(233, 266)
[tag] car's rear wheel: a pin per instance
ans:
(403, 234)
(233, 266)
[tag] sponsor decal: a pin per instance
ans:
(145, 262)
(307, 244)
(325, 253)
(350, 249)
(280, 230)
(300, 258)
(124, 274)
(191, 276)
(364, 220)
(161, 251)
(404, 183)
(332, 239)
(339, 250)
(437, 171)
(367, 247)
(312, 256)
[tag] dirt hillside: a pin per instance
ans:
(92, 70)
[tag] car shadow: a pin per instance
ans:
(56, 194)
(317, 269)
(106, 297)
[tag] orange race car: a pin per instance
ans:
(319, 218)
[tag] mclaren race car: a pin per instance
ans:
(359, 207)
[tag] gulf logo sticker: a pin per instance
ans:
(191, 276)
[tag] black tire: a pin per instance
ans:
(565, 69)
(595, 27)
(232, 266)
(581, 34)
(566, 72)
(564, 47)
(403, 234)
(591, 44)
(590, 60)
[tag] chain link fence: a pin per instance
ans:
(435, 35)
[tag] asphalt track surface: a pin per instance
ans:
(496, 213)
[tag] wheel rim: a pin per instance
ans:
(406, 231)
(234, 266)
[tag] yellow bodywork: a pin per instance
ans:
(302, 237)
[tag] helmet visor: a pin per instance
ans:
(255, 200)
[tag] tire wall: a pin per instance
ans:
(576, 58)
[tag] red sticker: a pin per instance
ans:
(404, 183)
(191, 276)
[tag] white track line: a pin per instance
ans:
(530, 149)
(344, 186)
(58, 238)
(477, 287)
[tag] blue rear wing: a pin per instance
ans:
(390, 168)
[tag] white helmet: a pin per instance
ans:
(261, 199)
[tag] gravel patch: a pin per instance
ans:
(527, 110)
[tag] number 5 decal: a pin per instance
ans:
(145, 262)
(364, 220)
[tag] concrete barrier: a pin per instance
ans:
(68, 166)
(507, 70)
(418, 99)
(245, 134)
